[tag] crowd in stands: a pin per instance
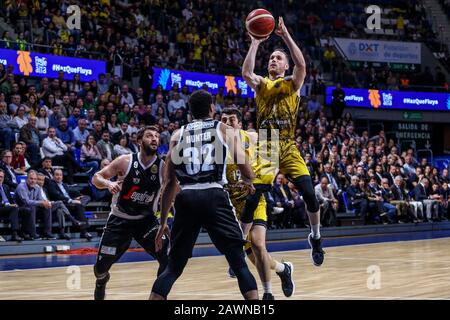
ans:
(210, 36)
(53, 123)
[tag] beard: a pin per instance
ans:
(147, 149)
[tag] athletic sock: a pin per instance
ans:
(267, 286)
(279, 267)
(315, 230)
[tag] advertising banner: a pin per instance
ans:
(168, 77)
(384, 99)
(35, 64)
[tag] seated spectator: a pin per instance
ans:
(20, 117)
(72, 121)
(55, 117)
(28, 197)
(122, 148)
(175, 104)
(105, 147)
(80, 133)
(9, 208)
(100, 194)
(118, 135)
(283, 199)
(430, 202)
(98, 130)
(42, 122)
(30, 135)
(10, 179)
(445, 194)
(380, 207)
(73, 200)
(327, 201)
(65, 133)
(159, 104)
(18, 162)
(8, 127)
(436, 194)
(113, 126)
(59, 210)
(90, 156)
(404, 206)
(55, 149)
(134, 146)
(358, 198)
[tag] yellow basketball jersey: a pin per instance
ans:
(277, 106)
(233, 173)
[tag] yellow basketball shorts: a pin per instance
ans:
(290, 163)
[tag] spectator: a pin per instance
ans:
(100, 194)
(72, 199)
(18, 162)
(10, 179)
(105, 147)
(47, 169)
(430, 202)
(28, 197)
(327, 201)
(283, 199)
(134, 146)
(113, 126)
(90, 155)
(159, 104)
(43, 121)
(80, 133)
(122, 148)
(9, 208)
(59, 210)
(358, 198)
(175, 104)
(7, 127)
(338, 102)
(126, 97)
(55, 149)
(65, 133)
(72, 121)
(30, 135)
(55, 118)
(122, 132)
(20, 118)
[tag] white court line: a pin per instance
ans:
(275, 252)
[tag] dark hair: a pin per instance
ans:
(141, 132)
(233, 110)
(46, 158)
(200, 103)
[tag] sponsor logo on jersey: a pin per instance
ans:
(136, 180)
(154, 169)
(135, 165)
(111, 251)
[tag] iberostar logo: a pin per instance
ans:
(230, 84)
(448, 102)
(164, 77)
(24, 62)
(374, 98)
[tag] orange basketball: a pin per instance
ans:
(260, 23)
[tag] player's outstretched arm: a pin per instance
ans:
(117, 167)
(248, 66)
(299, 73)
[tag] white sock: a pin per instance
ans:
(315, 230)
(279, 267)
(267, 286)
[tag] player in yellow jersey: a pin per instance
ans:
(277, 102)
(256, 248)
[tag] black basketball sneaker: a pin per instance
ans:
(317, 253)
(287, 284)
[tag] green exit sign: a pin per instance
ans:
(412, 115)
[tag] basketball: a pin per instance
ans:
(260, 23)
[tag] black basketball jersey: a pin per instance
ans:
(140, 189)
(200, 155)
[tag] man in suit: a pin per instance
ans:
(30, 135)
(123, 131)
(9, 208)
(58, 208)
(10, 177)
(430, 203)
(378, 173)
(358, 198)
(391, 174)
(283, 199)
(29, 198)
(331, 178)
(383, 206)
(73, 200)
(400, 199)
(47, 168)
(105, 147)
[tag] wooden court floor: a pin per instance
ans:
(392, 270)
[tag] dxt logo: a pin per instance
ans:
(368, 47)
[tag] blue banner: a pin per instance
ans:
(168, 77)
(384, 99)
(35, 64)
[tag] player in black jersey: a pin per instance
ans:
(135, 199)
(197, 159)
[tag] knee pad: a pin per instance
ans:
(304, 185)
